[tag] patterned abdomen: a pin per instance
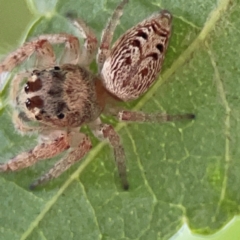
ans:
(137, 57)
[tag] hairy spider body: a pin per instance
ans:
(52, 99)
(58, 99)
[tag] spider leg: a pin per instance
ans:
(42, 47)
(71, 52)
(132, 116)
(18, 78)
(41, 151)
(72, 157)
(106, 131)
(90, 41)
(107, 35)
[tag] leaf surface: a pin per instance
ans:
(181, 172)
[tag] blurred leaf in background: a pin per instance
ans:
(14, 18)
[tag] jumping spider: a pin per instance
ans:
(58, 99)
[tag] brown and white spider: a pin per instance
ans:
(57, 100)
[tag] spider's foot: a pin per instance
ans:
(125, 184)
(71, 15)
(37, 183)
(33, 186)
(190, 116)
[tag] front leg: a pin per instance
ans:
(42, 48)
(79, 143)
(76, 154)
(42, 151)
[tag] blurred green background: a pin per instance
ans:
(15, 19)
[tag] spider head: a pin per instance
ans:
(62, 96)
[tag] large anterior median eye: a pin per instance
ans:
(33, 86)
(34, 102)
(61, 115)
(57, 68)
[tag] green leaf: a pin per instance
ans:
(180, 173)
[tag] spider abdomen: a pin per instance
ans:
(137, 57)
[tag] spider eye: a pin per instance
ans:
(33, 86)
(28, 103)
(26, 88)
(34, 102)
(38, 117)
(60, 116)
(57, 68)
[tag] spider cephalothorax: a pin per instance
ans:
(60, 98)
